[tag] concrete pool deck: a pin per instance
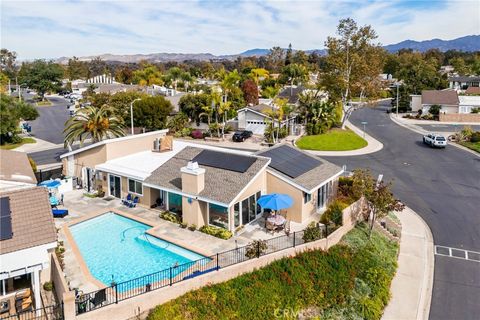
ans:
(82, 208)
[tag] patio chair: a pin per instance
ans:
(270, 226)
(23, 301)
(133, 204)
(99, 298)
(127, 200)
(286, 227)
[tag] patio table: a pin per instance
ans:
(54, 201)
(277, 220)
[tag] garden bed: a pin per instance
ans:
(475, 146)
(351, 280)
(333, 140)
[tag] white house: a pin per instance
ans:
(460, 83)
(467, 103)
(449, 100)
(256, 118)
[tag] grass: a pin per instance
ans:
(350, 281)
(10, 146)
(45, 103)
(475, 146)
(333, 140)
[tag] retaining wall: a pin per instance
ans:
(460, 117)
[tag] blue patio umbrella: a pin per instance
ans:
(275, 201)
(50, 184)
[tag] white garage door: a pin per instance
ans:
(256, 128)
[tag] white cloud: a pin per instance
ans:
(65, 28)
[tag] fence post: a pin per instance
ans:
(62, 311)
(116, 293)
(258, 249)
(294, 234)
(170, 275)
(218, 266)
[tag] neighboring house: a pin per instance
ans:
(27, 232)
(467, 103)
(207, 185)
(447, 69)
(448, 99)
(256, 119)
(291, 93)
(460, 83)
(473, 90)
(113, 88)
(170, 94)
(81, 163)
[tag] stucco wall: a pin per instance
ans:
(276, 185)
(458, 117)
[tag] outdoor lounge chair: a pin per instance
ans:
(59, 213)
(23, 301)
(133, 204)
(99, 298)
(127, 200)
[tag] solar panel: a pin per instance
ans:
(226, 161)
(290, 161)
(5, 219)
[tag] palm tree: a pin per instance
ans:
(187, 80)
(97, 123)
(258, 73)
(175, 73)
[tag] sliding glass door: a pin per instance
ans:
(248, 208)
(115, 186)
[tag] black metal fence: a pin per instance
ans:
(53, 312)
(125, 290)
(47, 174)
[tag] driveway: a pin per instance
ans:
(443, 187)
(49, 125)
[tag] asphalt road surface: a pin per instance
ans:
(443, 187)
(49, 125)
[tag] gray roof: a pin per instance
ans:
(465, 79)
(291, 93)
(310, 179)
(220, 185)
(445, 97)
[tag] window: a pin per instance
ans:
(135, 186)
(218, 215)
(307, 197)
(175, 203)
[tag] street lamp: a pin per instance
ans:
(364, 124)
(131, 114)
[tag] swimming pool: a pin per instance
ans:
(116, 248)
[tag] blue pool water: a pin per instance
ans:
(116, 248)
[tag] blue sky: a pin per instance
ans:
(50, 29)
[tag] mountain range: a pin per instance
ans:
(467, 43)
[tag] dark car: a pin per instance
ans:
(240, 136)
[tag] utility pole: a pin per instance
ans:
(397, 97)
(131, 114)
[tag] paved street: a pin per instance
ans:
(441, 127)
(49, 125)
(441, 185)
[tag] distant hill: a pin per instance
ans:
(468, 43)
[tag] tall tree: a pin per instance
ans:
(147, 76)
(175, 74)
(289, 55)
(151, 113)
(124, 75)
(353, 64)
(41, 75)
(97, 67)
(294, 74)
(7, 62)
(77, 69)
(95, 123)
(250, 92)
(258, 73)
(276, 57)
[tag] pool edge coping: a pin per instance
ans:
(78, 255)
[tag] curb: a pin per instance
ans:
(414, 128)
(349, 153)
(427, 288)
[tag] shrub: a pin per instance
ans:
(312, 232)
(475, 137)
(256, 248)
(435, 109)
(169, 217)
(216, 232)
(475, 110)
(183, 225)
(197, 134)
(467, 132)
(48, 286)
(192, 227)
(334, 212)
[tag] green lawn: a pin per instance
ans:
(16, 145)
(350, 281)
(475, 146)
(333, 140)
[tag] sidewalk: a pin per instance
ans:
(412, 285)
(39, 145)
(373, 145)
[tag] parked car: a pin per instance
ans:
(240, 136)
(435, 140)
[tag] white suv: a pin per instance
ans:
(435, 140)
